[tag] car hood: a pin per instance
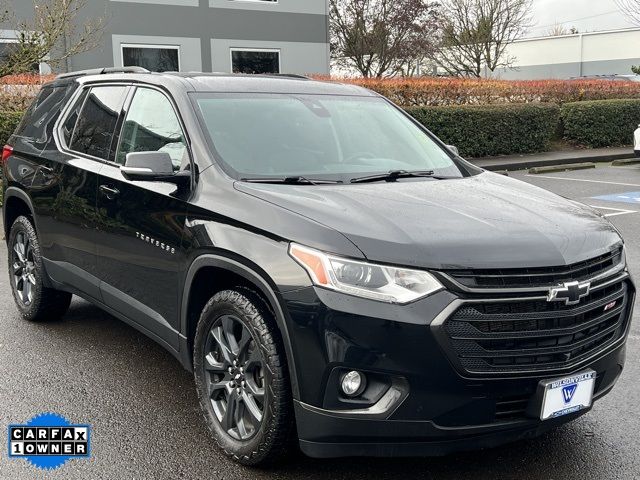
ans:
(484, 221)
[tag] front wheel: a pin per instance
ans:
(241, 377)
(35, 301)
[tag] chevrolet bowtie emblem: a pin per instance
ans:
(570, 292)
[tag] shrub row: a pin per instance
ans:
(18, 91)
(8, 123)
(434, 91)
(25, 79)
(607, 123)
(486, 130)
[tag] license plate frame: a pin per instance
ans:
(566, 395)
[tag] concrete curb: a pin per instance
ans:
(621, 163)
(562, 168)
(534, 161)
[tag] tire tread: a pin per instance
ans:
(275, 442)
(48, 304)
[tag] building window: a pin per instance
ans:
(157, 58)
(7, 47)
(255, 60)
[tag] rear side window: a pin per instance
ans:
(96, 123)
(43, 112)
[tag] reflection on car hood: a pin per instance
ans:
(485, 221)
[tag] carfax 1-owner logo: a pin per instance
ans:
(48, 440)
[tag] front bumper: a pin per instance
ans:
(325, 434)
(440, 410)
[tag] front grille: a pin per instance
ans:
(518, 336)
(536, 277)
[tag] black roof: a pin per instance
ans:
(220, 82)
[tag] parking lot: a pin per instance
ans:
(146, 421)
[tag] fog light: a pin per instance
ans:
(352, 383)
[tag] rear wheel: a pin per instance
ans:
(35, 301)
(241, 377)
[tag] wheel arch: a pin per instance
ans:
(252, 278)
(16, 202)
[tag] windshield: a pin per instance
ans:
(317, 137)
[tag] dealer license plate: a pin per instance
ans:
(563, 396)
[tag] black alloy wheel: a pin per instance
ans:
(35, 301)
(23, 268)
(242, 378)
(235, 377)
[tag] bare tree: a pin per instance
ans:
(631, 8)
(53, 34)
(558, 30)
(382, 37)
(476, 34)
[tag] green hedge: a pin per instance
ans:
(8, 123)
(604, 123)
(486, 130)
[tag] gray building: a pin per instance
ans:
(577, 55)
(250, 36)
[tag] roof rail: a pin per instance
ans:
(103, 71)
(289, 75)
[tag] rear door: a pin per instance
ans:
(64, 186)
(141, 223)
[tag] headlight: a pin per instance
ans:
(377, 282)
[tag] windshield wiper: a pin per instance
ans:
(298, 180)
(393, 175)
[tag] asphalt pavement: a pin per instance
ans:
(146, 423)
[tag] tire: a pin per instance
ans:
(35, 302)
(240, 321)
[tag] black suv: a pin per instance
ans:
(329, 270)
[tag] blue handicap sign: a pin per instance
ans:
(626, 197)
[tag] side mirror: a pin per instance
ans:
(454, 149)
(153, 167)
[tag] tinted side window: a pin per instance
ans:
(71, 120)
(43, 112)
(94, 130)
(151, 125)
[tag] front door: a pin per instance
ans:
(138, 249)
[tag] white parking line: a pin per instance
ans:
(619, 211)
(583, 180)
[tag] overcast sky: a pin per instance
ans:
(585, 15)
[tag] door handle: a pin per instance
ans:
(109, 192)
